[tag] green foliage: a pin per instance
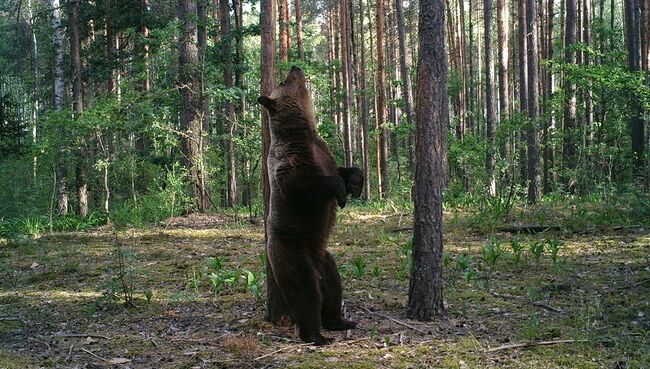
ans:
(517, 249)
(492, 252)
(358, 267)
(537, 249)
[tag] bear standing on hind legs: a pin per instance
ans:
(305, 190)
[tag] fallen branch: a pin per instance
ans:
(396, 321)
(530, 229)
(94, 355)
(529, 344)
(78, 335)
(547, 307)
(286, 348)
(12, 319)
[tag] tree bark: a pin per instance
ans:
(490, 103)
(276, 310)
(382, 137)
(285, 39)
(532, 132)
(77, 104)
(503, 24)
(633, 29)
(189, 75)
(346, 72)
(363, 105)
(301, 48)
(406, 74)
(229, 107)
(432, 119)
(570, 101)
(58, 101)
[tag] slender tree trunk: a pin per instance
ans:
(58, 101)
(301, 49)
(189, 76)
(633, 31)
(229, 107)
(363, 105)
(382, 119)
(503, 24)
(405, 71)
(77, 104)
(276, 310)
(432, 119)
(532, 132)
(490, 103)
(570, 101)
(346, 72)
(285, 25)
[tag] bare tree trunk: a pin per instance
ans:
(633, 29)
(382, 137)
(406, 74)
(503, 24)
(301, 49)
(189, 76)
(229, 108)
(285, 39)
(523, 86)
(432, 118)
(276, 310)
(346, 72)
(490, 103)
(363, 106)
(534, 178)
(77, 104)
(58, 100)
(570, 101)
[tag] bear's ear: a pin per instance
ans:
(267, 102)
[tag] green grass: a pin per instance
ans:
(597, 291)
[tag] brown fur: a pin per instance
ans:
(305, 190)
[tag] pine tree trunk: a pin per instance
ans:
(77, 104)
(490, 102)
(382, 119)
(532, 132)
(432, 119)
(363, 105)
(523, 85)
(229, 107)
(633, 29)
(58, 101)
(346, 73)
(405, 71)
(191, 116)
(276, 310)
(301, 48)
(285, 39)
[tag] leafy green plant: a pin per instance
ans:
(537, 249)
(554, 247)
(254, 283)
(462, 262)
(492, 252)
(216, 263)
(377, 272)
(358, 267)
(194, 279)
(223, 278)
(517, 249)
(148, 295)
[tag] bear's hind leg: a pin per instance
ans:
(300, 290)
(332, 296)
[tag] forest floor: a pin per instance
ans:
(197, 305)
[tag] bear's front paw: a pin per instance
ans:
(341, 193)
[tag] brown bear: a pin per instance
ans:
(305, 189)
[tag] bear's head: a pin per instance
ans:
(290, 105)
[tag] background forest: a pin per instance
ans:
(132, 189)
(141, 110)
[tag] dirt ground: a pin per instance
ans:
(196, 286)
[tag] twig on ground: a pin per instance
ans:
(94, 355)
(67, 358)
(12, 319)
(396, 321)
(529, 344)
(78, 335)
(286, 348)
(547, 307)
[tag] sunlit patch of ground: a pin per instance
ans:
(197, 305)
